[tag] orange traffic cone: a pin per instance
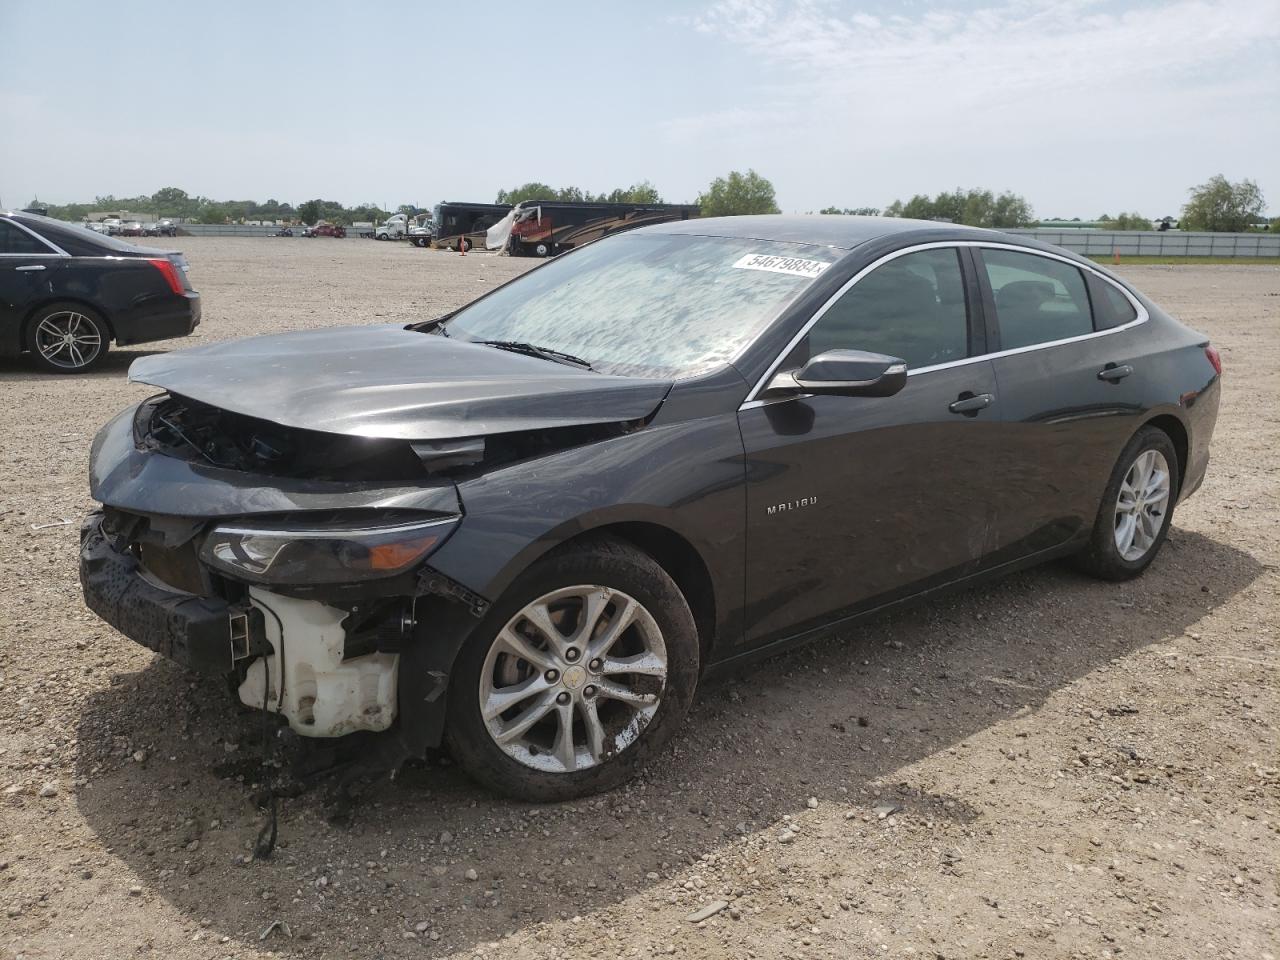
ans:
(462, 246)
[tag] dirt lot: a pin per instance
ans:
(1044, 767)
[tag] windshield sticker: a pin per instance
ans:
(794, 266)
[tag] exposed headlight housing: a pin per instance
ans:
(292, 553)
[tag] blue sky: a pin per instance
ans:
(1083, 106)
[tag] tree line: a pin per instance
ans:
(642, 192)
(175, 203)
(1217, 205)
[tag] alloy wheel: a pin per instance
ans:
(573, 679)
(68, 340)
(1142, 505)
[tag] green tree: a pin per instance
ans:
(210, 212)
(529, 191)
(853, 211)
(1011, 210)
(371, 213)
(737, 195)
(1223, 207)
(1129, 221)
(976, 208)
(642, 192)
(309, 212)
(173, 202)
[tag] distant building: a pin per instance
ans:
(97, 216)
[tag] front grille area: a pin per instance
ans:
(179, 567)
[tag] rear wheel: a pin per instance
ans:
(584, 668)
(68, 338)
(1136, 510)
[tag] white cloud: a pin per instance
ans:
(992, 89)
(983, 51)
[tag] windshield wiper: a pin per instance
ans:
(530, 350)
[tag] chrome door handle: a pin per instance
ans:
(971, 404)
(1114, 373)
(38, 266)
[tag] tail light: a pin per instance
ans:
(169, 272)
(1214, 358)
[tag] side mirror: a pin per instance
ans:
(846, 373)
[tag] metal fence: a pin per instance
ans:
(1090, 243)
(1155, 243)
(244, 230)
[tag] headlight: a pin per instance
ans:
(294, 554)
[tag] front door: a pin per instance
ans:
(855, 501)
(26, 264)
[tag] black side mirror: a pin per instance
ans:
(846, 373)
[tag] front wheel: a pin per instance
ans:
(1136, 510)
(585, 667)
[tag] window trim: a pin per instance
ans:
(54, 249)
(1143, 316)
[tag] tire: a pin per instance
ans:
(531, 767)
(1104, 557)
(542, 250)
(91, 338)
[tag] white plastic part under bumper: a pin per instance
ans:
(306, 679)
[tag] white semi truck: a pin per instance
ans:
(399, 226)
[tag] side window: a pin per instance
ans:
(912, 307)
(14, 240)
(1111, 308)
(1037, 299)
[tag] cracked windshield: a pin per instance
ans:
(649, 306)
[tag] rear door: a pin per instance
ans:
(854, 501)
(1069, 369)
(27, 265)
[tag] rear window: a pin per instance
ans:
(14, 240)
(1111, 308)
(1038, 300)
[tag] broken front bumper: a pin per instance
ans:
(289, 653)
(204, 634)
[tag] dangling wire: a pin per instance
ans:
(266, 842)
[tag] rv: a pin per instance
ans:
(541, 228)
(463, 225)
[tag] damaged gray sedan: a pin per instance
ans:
(527, 529)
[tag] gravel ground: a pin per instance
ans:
(1043, 767)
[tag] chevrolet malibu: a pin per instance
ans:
(527, 529)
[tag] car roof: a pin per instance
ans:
(61, 231)
(828, 230)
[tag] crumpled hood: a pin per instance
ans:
(386, 381)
